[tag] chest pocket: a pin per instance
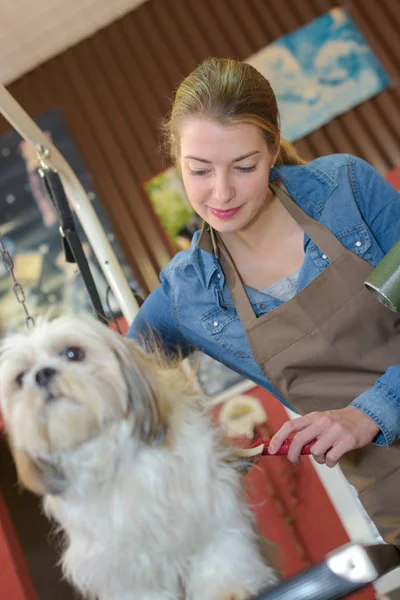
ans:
(226, 330)
(356, 239)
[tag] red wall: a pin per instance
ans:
(15, 583)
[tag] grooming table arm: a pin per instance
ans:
(343, 572)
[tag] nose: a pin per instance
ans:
(224, 191)
(44, 376)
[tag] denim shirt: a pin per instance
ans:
(192, 307)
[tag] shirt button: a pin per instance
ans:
(215, 323)
(358, 244)
(219, 275)
(262, 305)
(324, 256)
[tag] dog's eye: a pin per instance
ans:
(73, 353)
(19, 378)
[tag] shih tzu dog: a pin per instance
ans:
(124, 453)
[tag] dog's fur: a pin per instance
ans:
(130, 466)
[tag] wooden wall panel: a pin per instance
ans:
(115, 87)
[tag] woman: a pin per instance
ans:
(273, 285)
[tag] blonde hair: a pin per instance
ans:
(229, 91)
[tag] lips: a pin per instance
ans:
(224, 214)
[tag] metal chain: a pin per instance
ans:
(17, 287)
(19, 292)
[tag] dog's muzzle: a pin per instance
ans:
(45, 376)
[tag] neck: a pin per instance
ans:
(261, 229)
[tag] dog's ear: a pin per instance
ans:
(140, 372)
(38, 476)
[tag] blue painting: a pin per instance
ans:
(320, 71)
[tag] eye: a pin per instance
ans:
(19, 378)
(73, 353)
(247, 169)
(199, 172)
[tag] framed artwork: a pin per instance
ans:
(30, 233)
(171, 205)
(320, 71)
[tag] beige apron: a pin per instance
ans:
(323, 348)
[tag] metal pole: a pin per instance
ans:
(102, 248)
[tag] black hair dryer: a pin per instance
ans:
(384, 281)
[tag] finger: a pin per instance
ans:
(280, 436)
(286, 430)
(324, 443)
(300, 440)
(336, 453)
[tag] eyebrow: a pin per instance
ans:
(238, 159)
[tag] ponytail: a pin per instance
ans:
(288, 154)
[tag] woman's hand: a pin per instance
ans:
(335, 431)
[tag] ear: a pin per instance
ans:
(38, 476)
(141, 374)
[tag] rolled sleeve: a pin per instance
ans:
(381, 404)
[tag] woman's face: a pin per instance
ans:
(225, 171)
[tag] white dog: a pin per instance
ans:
(130, 467)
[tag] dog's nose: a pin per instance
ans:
(44, 376)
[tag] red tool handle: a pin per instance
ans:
(284, 449)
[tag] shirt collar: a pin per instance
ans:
(207, 263)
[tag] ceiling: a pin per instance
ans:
(32, 31)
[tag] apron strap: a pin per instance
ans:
(235, 286)
(318, 233)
